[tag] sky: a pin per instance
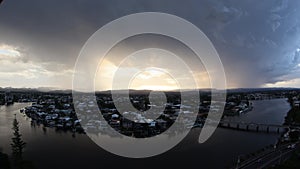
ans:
(258, 41)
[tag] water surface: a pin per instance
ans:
(49, 149)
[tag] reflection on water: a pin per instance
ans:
(265, 112)
(48, 148)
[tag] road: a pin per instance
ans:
(269, 157)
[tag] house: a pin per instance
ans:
(296, 103)
(162, 123)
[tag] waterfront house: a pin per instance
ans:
(296, 103)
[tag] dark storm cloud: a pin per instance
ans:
(257, 41)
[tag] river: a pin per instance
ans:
(50, 149)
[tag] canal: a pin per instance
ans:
(49, 149)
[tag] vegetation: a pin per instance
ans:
(17, 144)
(293, 116)
(4, 161)
(17, 147)
(292, 163)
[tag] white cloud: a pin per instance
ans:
(14, 71)
(9, 52)
(288, 83)
(275, 25)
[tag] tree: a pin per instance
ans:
(4, 160)
(17, 144)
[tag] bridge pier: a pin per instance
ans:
(268, 128)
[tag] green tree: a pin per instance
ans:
(17, 144)
(4, 160)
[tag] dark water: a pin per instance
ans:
(265, 112)
(49, 149)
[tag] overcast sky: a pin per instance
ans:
(258, 41)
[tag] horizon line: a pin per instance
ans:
(53, 89)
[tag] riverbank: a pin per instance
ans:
(60, 147)
(292, 163)
(267, 114)
(293, 119)
(286, 152)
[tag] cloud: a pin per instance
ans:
(287, 83)
(15, 68)
(280, 5)
(275, 25)
(257, 43)
(9, 52)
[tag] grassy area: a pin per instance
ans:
(292, 163)
(293, 116)
(4, 161)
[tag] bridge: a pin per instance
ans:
(248, 126)
(258, 127)
(269, 157)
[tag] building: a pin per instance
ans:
(9, 98)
